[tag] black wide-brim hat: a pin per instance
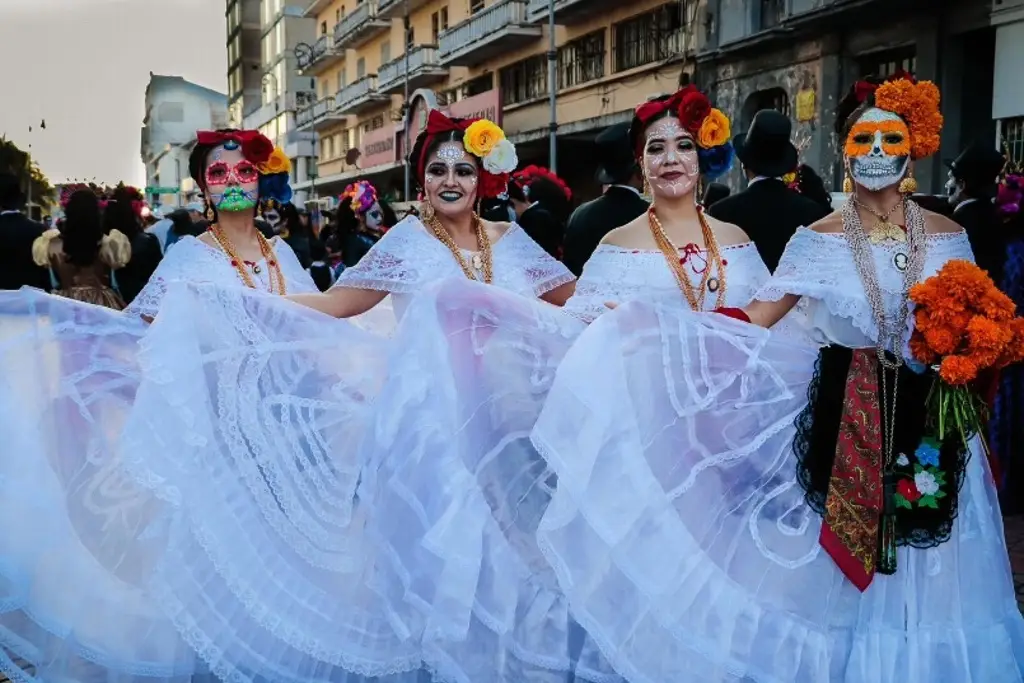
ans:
(616, 163)
(766, 148)
(978, 164)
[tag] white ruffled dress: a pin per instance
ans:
(456, 487)
(79, 538)
(200, 518)
(679, 531)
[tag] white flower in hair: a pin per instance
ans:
(502, 158)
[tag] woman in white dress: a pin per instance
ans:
(724, 510)
(73, 600)
(240, 524)
(457, 489)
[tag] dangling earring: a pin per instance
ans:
(209, 211)
(647, 189)
(698, 198)
(847, 183)
(427, 210)
(909, 184)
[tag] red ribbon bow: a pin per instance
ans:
(256, 147)
(689, 104)
(864, 89)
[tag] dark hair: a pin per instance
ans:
(120, 214)
(197, 167)
(495, 210)
(10, 192)
(812, 186)
(422, 150)
(292, 223)
(552, 197)
(390, 218)
(850, 108)
(181, 222)
(82, 229)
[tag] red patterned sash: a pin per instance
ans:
(854, 503)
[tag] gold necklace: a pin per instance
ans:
(482, 261)
(884, 230)
(714, 259)
(276, 277)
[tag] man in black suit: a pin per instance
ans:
(973, 183)
(17, 233)
(768, 211)
(620, 203)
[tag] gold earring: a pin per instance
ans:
(909, 184)
(848, 184)
(647, 190)
(699, 197)
(427, 211)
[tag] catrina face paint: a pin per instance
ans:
(878, 149)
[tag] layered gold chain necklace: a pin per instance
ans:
(709, 281)
(482, 262)
(275, 277)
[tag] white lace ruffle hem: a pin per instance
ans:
(682, 539)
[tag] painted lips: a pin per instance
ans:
(450, 196)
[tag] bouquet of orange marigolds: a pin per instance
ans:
(964, 327)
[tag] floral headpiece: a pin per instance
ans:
(709, 127)
(273, 164)
(362, 196)
(916, 102)
(533, 172)
(483, 139)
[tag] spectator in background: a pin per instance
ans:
(535, 216)
(320, 269)
(809, 184)
(974, 175)
(161, 229)
(81, 258)
(297, 234)
(620, 203)
(123, 214)
(181, 226)
(17, 234)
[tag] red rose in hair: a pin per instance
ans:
(257, 148)
(694, 107)
(491, 184)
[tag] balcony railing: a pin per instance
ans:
(321, 48)
(571, 10)
(359, 93)
(422, 59)
(389, 9)
(326, 108)
(359, 23)
(485, 28)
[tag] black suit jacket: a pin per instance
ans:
(592, 220)
(769, 212)
(980, 221)
(543, 228)
(17, 233)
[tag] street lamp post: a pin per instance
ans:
(552, 89)
(405, 106)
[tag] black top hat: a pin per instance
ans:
(977, 165)
(616, 163)
(765, 148)
(11, 195)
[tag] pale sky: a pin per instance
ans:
(83, 66)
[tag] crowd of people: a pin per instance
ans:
(668, 434)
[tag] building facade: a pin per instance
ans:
(175, 110)
(798, 56)
(244, 59)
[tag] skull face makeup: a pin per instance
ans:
(670, 160)
(878, 149)
(374, 217)
(450, 179)
(232, 181)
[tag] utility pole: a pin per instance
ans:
(552, 89)
(405, 108)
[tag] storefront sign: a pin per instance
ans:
(805, 101)
(378, 147)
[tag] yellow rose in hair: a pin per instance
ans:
(714, 131)
(277, 163)
(481, 137)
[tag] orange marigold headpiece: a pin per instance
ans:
(916, 102)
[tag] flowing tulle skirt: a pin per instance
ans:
(180, 499)
(682, 539)
(458, 490)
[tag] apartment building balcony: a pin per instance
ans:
(359, 25)
(499, 28)
(321, 54)
(395, 9)
(567, 12)
(424, 70)
(361, 95)
(323, 113)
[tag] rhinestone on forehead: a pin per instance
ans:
(230, 145)
(667, 127)
(451, 154)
